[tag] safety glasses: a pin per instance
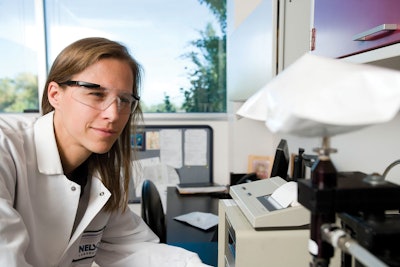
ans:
(100, 98)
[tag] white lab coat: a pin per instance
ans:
(38, 205)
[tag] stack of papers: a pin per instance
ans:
(198, 189)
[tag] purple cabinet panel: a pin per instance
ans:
(338, 23)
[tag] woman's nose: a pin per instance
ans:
(112, 110)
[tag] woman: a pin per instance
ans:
(64, 177)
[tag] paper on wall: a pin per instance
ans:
(171, 147)
(195, 147)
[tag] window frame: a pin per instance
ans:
(43, 66)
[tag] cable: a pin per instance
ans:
(390, 167)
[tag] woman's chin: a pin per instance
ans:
(101, 149)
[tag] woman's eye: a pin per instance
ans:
(124, 99)
(98, 94)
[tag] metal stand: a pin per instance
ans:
(363, 207)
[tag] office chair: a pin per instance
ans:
(152, 210)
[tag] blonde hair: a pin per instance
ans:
(118, 161)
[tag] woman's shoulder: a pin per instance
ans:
(17, 122)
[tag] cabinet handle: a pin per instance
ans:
(384, 27)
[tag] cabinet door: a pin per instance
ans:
(338, 23)
(296, 26)
(252, 51)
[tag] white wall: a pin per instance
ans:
(247, 137)
(368, 150)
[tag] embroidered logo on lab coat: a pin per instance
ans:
(88, 246)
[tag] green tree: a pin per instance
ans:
(218, 8)
(7, 94)
(19, 94)
(166, 107)
(207, 92)
(169, 107)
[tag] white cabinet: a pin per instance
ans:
(271, 37)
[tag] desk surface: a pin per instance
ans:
(179, 232)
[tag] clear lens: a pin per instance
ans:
(101, 98)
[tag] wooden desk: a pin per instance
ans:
(186, 236)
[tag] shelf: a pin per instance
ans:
(388, 56)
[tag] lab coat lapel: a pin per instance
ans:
(59, 187)
(49, 164)
(99, 195)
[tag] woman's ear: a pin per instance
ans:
(54, 93)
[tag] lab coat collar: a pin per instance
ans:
(48, 158)
(99, 196)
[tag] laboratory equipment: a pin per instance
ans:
(339, 97)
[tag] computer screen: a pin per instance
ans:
(281, 161)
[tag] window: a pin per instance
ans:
(19, 56)
(179, 43)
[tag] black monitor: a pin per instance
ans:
(281, 161)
